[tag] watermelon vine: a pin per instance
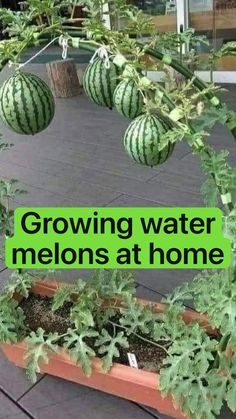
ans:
(199, 370)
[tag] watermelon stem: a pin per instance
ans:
(197, 146)
(180, 68)
(197, 82)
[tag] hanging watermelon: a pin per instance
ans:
(26, 103)
(100, 81)
(128, 99)
(142, 137)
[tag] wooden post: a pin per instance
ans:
(63, 78)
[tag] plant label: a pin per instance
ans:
(132, 360)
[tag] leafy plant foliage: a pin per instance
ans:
(108, 347)
(199, 369)
(136, 318)
(11, 320)
(39, 345)
(80, 351)
(20, 282)
(61, 296)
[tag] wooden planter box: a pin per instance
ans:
(133, 384)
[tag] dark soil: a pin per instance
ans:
(38, 313)
(149, 357)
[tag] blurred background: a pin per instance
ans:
(215, 19)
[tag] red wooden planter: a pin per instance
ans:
(137, 385)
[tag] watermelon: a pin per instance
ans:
(142, 137)
(26, 103)
(99, 82)
(128, 99)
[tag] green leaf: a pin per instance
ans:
(210, 193)
(39, 345)
(168, 326)
(103, 316)
(136, 317)
(11, 320)
(79, 350)
(209, 118)
(215, 293)
(121, 283)
(215, 164)
(21, 283)
(110, 284)
(229, 225)
(229, 48)
(228, 366)
(8, 330)
(231, 395)
(178, 296)
(61, 296)
(81, 316)
(109, 345)
(79, 286)
(187, 376)
(172, 136)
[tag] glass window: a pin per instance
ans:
(163, 11)
(217, 20)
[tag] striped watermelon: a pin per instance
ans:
(26, 103)
(128, 99)
(100, 82)
(142, 138)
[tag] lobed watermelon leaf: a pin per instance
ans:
(109, 347)
(39, 346)
(79, 350)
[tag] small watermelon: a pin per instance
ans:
(128, 99)
(141, 140)
(99, 82)
(27, 105)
